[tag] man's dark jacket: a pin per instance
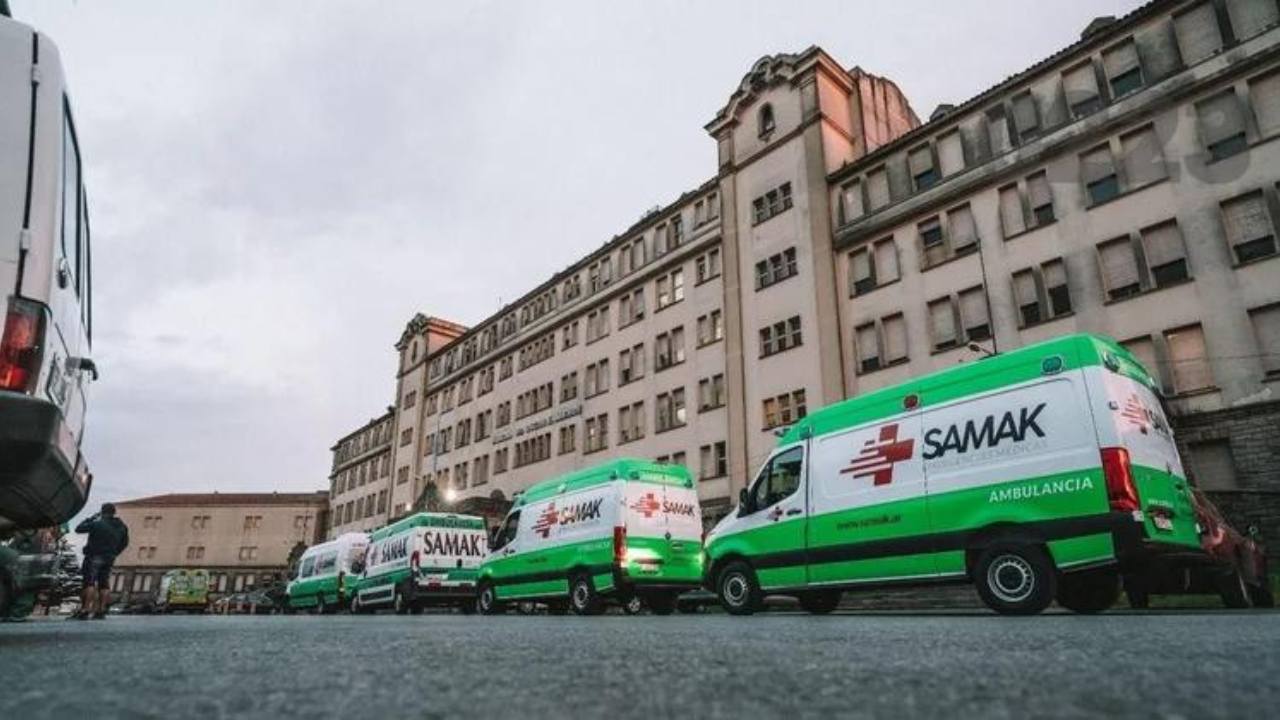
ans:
(108, 536)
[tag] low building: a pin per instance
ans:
(244, 540)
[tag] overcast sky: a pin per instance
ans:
(276, 188)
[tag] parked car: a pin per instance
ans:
(1235, 567)
(247, 603)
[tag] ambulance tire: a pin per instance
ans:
(820, 602)
(661, 603)
(1089, 592)
(487, 600)
(739, 590)
(1016, 579)
(631, 604)
(1233, 590)
(321, 608)
(583, 598)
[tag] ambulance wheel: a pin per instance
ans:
(583, 597)
(321, 609)
(1090, 591)
(821, 602)
(739, 591)
(487, 600)
(663, 603)
(1015, 579)
(1233, 590)
(632, 605)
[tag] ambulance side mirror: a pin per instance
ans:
(744, 502)
(493, 538)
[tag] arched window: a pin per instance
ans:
(767, 123)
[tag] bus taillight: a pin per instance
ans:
(22, 346)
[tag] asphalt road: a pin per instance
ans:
(1191, 665)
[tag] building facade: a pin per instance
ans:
(1126, 185)
(360, 484)
(244, 540)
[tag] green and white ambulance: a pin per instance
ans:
(619, 530)
(1036, 474)
(327, 574)
(183, 590)
(424, 559)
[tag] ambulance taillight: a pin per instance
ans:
(1122, 494)
(21, 346)
(619, 545)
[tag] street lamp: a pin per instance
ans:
(450, 495)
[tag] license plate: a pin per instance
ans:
(1162, 522)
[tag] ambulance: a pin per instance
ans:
(183, 590)
(620, 530)
(424, 559)
(327, 574)
(1039, 474)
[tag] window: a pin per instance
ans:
(568, 386)
(596, 378)
(784, 409)
(942, 318)
(1198, 34)
(711, 392)
(1026, 117)
(1166, 255)
(923, 175)
(597, 324)
(507, 532)
(1188, 359)
(196, 552)
(1248, 227)
(631, 307)
(249, 552)
(1124, 71)
(713, 461)
(877, 188)
(950, 154)
(1143, 158)
(631, 422)
(1250, 17)
(252, 522)
(850, 206)
(670, 288)
(1080, 85)
(872, 266)
(1266, 330)
(597, 433)
(410, 399)
(1099, 173)
(772, 203)
(1213, 466)
(779, 480)
(767, 124)
(973, 313)
(776, 268)
(708, 265)
(931, 233)
(1042, 293)
(668, 349)
(710, 328)
(1012, 218)
(500, 461)
(879, 345)
(200, 522)
(630, 365)
(568, 439)
(402, 474)
(1040, 197)
(1119, 268)
(961, 228)
(671, 410)
(998, 131)
(675, 458)
(568, 336)
(1264, 97)
(780, 336)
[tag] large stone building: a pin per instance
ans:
(1125, 185)
(242, 539)
(360, 484)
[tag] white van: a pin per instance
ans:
(424, 559)
(45, 287)
(327, 574)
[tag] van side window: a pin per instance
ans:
(779, 479)
(70, 196)
(327, 563)
(508, 531)
(308, 567)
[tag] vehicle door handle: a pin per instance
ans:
(83, 364)
(794, 511)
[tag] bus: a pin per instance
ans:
(46, 331)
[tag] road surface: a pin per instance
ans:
(1191, 665)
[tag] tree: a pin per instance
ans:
(429, 500)
(295, 557)
(68, 582)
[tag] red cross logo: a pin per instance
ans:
(879, 454)
(647, 505)
(548, 519)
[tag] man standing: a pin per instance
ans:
(108, 537)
